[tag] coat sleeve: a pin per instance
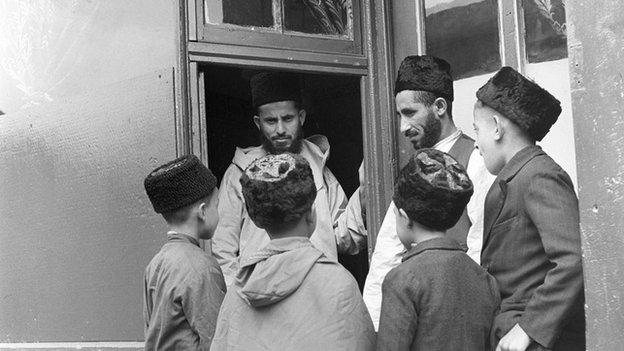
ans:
(346, 217)
(350, 230)
(385, 257)
(147, 303)
(201, 302)
(552, 206)
(226, 239)
(399, 318)
(482, 181)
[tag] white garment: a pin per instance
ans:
(388, 248)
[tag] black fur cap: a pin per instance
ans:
(179, 183)
(433, 189)
(267, 87)
(425, 73)
(525, 103)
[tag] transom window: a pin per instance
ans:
(332, 18)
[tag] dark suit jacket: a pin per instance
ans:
(437, 299)
(532, 246)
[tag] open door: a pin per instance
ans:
(333, 107)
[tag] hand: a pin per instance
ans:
(515, 340)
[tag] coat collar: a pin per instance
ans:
(181, 237)
(518, 161)
(441, 243)
(498, 191)
(276, 247)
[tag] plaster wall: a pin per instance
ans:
(54, 48)
(596, 47)
(89, 95)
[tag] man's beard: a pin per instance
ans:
(432, 131)
(295, 145)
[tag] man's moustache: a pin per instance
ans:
(411, 133)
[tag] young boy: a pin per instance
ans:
(438, 298)
(184, 286)
(288, 295)
(532, 241)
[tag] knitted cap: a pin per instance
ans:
(267, 87)
(425, 73)
(179, 183)
(278, 189)
(525, 103)
(433, 189)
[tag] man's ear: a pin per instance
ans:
(311, 216)
(202, 211)
(440, 105)
(404, 215)
(302, 116)
(256, 120)
(499, 129)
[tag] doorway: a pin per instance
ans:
(333, 106)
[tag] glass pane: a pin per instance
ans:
(465, 33)
(257, 13)
(546, 35)
(333, 17)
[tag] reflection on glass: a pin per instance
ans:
(258, 13)
(465, 33)
(318, 16)
(546, 35)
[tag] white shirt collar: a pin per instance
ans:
(446, 144)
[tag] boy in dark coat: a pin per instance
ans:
(438, 298)
(531, 241)
(184, 286)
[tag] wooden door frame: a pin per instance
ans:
(375, 69)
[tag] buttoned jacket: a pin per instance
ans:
(532, 246)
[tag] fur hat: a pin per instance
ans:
(278, 189)
(433, 189)
(267, 87)
(525, 103)
(425, 73)
(179, 183)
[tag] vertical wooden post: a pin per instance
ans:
(511, 34)
(379, 124)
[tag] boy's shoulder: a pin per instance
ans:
(185, 258)
(327, 273)
(543, 163)
(332, 273)
(430, 265)
(538, 163)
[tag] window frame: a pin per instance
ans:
(372, 62)
(272, 39)
(511, 33)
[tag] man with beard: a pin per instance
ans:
(280, 118)
(423, 97)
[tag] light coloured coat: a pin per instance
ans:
(338, 224)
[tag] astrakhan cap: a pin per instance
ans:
(522, 101)
(267, 87)
(179, 183)
(425, 73)
(433, 189)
